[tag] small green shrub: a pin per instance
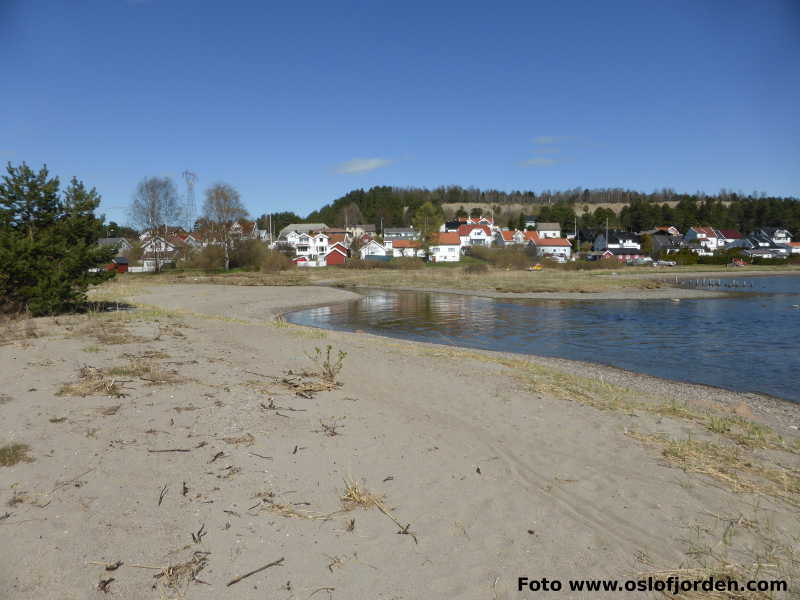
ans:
(328, 365)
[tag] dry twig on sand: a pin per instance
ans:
(355, 496)
(274, 563)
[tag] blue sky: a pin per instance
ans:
(296, 103)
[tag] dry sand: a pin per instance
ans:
(496, 475)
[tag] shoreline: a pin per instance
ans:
(624, 294)
(278, 308)
(764, 403)
(223, 441)
(345, 295)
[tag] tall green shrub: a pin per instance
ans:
(48, 242)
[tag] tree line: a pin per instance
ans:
(395, 207)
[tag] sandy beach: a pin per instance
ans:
(212, 447)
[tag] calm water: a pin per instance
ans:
(746, 343)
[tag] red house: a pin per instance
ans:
(336, 255)
(118, 264)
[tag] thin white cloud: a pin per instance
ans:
(548, 150)
(540, 161)
(362, 165)
(544, 140)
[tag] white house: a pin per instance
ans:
(507, 238)
(445, 247)
(708, 238)
(404, 248)
(549, 230)
(373, 248)
(550, 247)
(301, 228)
(475, 235)
(777, 235)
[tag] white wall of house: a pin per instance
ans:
(445, 253)
(476, 237)
(549, 251)
(412, 252)
(550, 233)
(373, 248)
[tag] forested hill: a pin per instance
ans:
(394, 207)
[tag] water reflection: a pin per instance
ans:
(746, 343)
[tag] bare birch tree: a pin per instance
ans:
(223, 207)
(155, 205)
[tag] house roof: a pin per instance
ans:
(531, 236)
(622, 251)
(338, 248)
(113, 241)
(302, 228)
(508, 236)
(450, 238)
(561, 242)
(336, 238)
(477, 220)
(770, 231)
(731, 234)
(707, 231)
(615, 237)
(467, 229)
(406, 244)
(548, 226)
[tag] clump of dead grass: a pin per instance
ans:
(733, 466)
(266, 501)
(12, 454)
(107, 329)
(145, 370)
(91, 382)
(17, 327)
(243, 440)
(175, 579)
(734, 548)
(356, 496)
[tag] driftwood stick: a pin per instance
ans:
(171, 450)
(274, 563)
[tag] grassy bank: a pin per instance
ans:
(456, 277)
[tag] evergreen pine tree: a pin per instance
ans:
(48, 242)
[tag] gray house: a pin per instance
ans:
(400, 233)
(121, 244)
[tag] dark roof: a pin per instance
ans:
(120, 260)
(112, 241)
(623, 251)
(770, 231)
(614, 237)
